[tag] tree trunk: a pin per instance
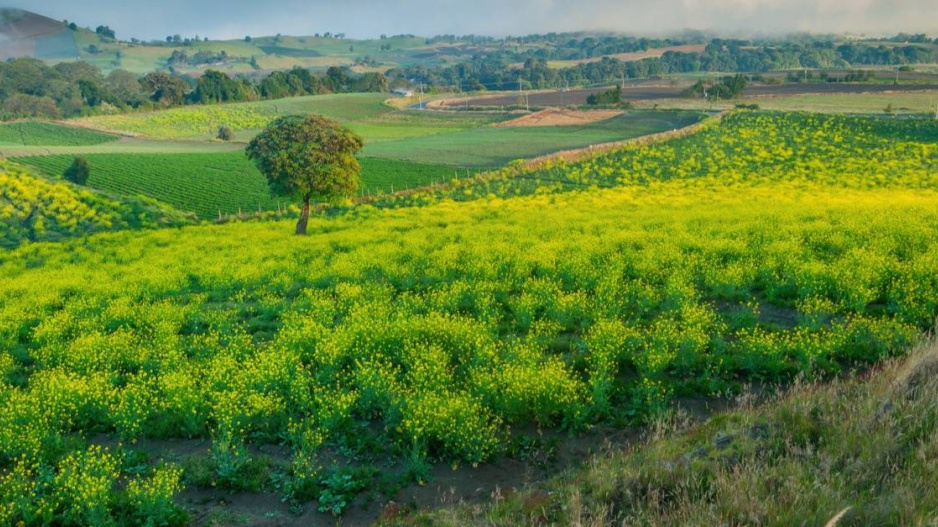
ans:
(304, 218)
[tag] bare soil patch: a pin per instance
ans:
(560, 117)
(652, 53)
(639, 55)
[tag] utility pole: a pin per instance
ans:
(527, 106)
(420, 98)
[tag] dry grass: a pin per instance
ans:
(862, 450)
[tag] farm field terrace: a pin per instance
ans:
(30, 133)
(221, 184)
(494, 146)
(910, 102)
(204, 121)
(391, 338)
(368, 115)
(404, 149)
(124, 145)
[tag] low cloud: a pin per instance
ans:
(367, 18)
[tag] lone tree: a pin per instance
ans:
(225, 133)
(307, 157)
(79, 171)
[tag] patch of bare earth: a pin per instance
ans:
(560, 117)
(652, 53)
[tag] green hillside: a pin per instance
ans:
(221, 184)
(766, 248)
(26, 34)
(33, 208)
(32, 133)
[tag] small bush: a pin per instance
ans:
(79, 171)
(225, 133)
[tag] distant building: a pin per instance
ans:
(403, 93)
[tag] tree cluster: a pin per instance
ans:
(30, 88)
(613, 96)
(498, 69)
(726, 88)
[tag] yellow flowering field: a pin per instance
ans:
(428, 334)
(33, 208)
(742, 149)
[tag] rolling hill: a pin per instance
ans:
(26, 34)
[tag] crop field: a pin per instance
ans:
(494, 146)
(912, 102)
(902, 103)
(404, 149)
(798, 148)
(205, 120)
(365, 113)
(662, 91)
(220, 184)
(125, 145)
(33, 208)
(435, 329)
(33, 133)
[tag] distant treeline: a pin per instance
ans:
(494, 71)
(30, 88)
(566, 46)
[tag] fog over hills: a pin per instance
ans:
(369, 18)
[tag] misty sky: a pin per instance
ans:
(148, 19)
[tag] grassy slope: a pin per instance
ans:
(213, 184)
(32, 133)
(205, 120)
(864, 445)
(574, 308)
(285, 53)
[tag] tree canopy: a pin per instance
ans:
(307, 157)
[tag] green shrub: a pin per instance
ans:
(78, 172)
